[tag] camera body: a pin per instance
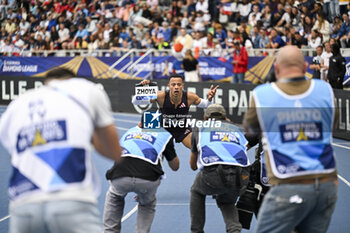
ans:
(250, 201)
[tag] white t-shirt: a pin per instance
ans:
(325, 57)
(48, 133)
(63, 34)
(202, 6)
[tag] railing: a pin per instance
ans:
(140, 52)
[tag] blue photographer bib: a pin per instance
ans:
(145, 144)
(297, 129)
(227, 145)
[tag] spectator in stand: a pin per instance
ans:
(82, 32)
(217, 50)
(208, 44)
(191, 6)
(191, 67)
(166, 31)
(140, 31)
(335, 26)
(202, 6)
(344, 31)
(275, 40)
(126, 14)
(323, 26)
(277, 15)
(10, 26)
(135, 44)
(40, 43)
(255, 15)
(124, 35)
(266, 16)
(296, 18)
(317, 10)
(314, 40)
(327, 53)
(334, 9)
(235, 16)
(146, 13)
(64, 38)
(307, 26)
(264, 43)
(18, 42)
(246, 40)
(221, 35)
(256, 37)
(147, 41)
(90, 25)
(229, 40)
(240, 63)
(298, 40)
(286, 18)
(316, 63)
(198, 44)
(54, 37)
(107, 33)
(244, 10)
(24, 26)
(3, 33)
(337, 68)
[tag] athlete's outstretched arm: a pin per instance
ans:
(202, 103)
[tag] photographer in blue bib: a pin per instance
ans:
(139, 171)
(295, 116)
(220, 154)
(49, 133)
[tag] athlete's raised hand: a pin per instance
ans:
(145, 82)
(212, 92)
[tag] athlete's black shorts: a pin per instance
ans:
(179, 134)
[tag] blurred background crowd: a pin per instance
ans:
(213, 25)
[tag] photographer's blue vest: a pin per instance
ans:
(297, 129)
(147, 145)
(227, 145)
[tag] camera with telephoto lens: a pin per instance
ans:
(248, 205)
(249, 202)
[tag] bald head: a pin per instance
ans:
(290, 62)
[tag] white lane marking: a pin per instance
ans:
(4, 218)
(127, 114)
(344, 180)
(342, 146)
(121, 128)
(129, 121)
(181, 204)
(131, 212)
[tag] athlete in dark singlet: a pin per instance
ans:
(176, 101)
(178, 113)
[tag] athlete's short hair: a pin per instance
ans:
(176, 76)
(59, 72)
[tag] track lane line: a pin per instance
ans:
(131, 212)
(341, 146)
(344, 180)
(4, 218)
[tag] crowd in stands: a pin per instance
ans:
(31, 25)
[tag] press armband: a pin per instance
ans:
(204, 103)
